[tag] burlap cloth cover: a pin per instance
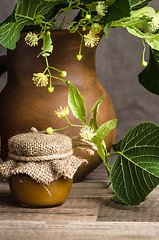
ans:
(41, 156)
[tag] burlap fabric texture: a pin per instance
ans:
(43, 157)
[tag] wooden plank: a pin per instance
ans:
(77, 230)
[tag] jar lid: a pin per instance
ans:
(43, 157)
(37, 146)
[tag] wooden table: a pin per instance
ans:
(88, 213)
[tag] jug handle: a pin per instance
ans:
(3, 68)
(3, 64)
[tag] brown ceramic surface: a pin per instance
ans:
(23, 105)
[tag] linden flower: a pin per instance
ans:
(40, 79)
(87, 133)
(62, 112)
(31, 39)
(91, 39)
(155, 22)
(96, 28)
(101, 8)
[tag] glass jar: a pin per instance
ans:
(29, 193)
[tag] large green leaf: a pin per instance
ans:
(137, 4)
(23, 15)
(77, 104)
(119, 10)
(135, 172)
(149, 77)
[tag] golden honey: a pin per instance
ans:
(29, 193)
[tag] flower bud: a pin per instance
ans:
(84, 29)
(144, 63)
(63, 74)
(50, 89)
(88, 16)
(49, 130)
(68, 82)
(79, 57)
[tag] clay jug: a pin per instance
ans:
(23, 105)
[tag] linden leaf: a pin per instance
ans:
(149, 77)
(137, 4)
(135, 172)
(77, 104)
(100, 134)
(150, 38)
(119, 10)
(106, 31)
(47, 45)
(24, 14)
(93, 121)
(143, 12)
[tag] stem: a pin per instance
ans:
(47, 69)
(68, 121)
(80, 34)
(72, 125)
(108, 170)
(80, 49)
(47, 64)
(82, 9)
(106, 160)
(61, 25)
(59, 79)
(110, 155)
(127, 24)
(51, 24)
(120, 154)
(55, 130)
(25, 17)
(55, 69)
(143, 55)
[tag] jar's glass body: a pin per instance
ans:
(29, 193)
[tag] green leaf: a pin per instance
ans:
(116, 199)
(92, 6)
(88, 1)
(119, 10)
(149, 77)
(135, 172)
(100, 134)
(143, 12)
(150, 38)
(77, 104)
(137, 4)
(104, 130)
(10, 31)
(47, 45)
(106, 30)
(23, 15)
(109, 2)
(93, 121)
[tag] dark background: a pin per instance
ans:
(118, 62)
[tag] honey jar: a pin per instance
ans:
(30, 193)
(40, 168)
